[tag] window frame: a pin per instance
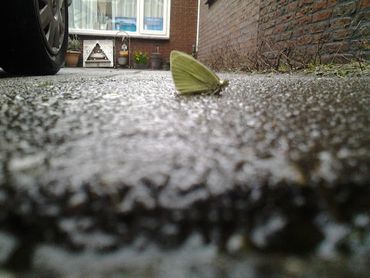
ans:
(140, 32)
(141, 18)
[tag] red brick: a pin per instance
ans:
(292, 6)
(299, 32)
(340, 35)
(319, 27)
(342, 22)
(305, 2)
(365, 4)
(331, 3)
(304, 19)
(320, 5)
(304, 40)
(320, 16)
(345, 9)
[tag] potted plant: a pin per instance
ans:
(140, 60)
(123, 55)
(73, 52)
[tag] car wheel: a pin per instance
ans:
(35, 36)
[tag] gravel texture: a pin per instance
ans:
(97, 159)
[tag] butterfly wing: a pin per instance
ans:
(190, 76)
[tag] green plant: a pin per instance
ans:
(141, 57)
(74, 44)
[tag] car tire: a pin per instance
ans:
(35, 36)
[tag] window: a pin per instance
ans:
(153, 15)
(125, 15)
(140, 18)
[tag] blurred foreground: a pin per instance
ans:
(109, 173)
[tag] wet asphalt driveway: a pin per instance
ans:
(117, 154)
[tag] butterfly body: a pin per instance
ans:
(192, 77)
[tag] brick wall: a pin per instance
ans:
(228, 27)
(183, 29)
(328, 30)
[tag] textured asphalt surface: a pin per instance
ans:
(112, 154)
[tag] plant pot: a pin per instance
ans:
(122, 61)
(156, 61)
(72, 58)
(140, 66)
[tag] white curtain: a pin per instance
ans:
(153, 8)
(125, 8)
(124, 15)
(83, 14)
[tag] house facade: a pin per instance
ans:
(150, 25)
(265, 31)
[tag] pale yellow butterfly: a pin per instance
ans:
(191, 77)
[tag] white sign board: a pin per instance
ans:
(98, 53)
